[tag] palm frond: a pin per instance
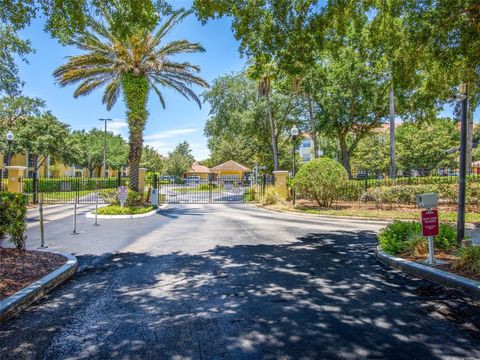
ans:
(173, 20)
(112, 91)
(159, 94)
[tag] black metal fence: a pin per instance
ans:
(68, 190)
(207, 189)
(402, 190)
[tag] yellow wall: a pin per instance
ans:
(203, 176)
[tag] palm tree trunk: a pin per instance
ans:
(313, 131)
(393, 162)
(135, 90)
(272, 134)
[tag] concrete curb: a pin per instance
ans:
(25, 297)
(91, 215)
(444, 278)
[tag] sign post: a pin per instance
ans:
(429, 218)
(122, 195)
(429, 230)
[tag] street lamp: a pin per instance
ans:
(10, 138)
(463, 97)
(294, 134)
(105, 147)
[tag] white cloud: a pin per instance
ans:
(162, 147)
(167, 134)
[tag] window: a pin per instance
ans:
(31, 162)
(306, 143)
(306, 157)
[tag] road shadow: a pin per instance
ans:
(323, 296)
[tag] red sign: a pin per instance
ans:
(429, 222)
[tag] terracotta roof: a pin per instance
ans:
(197, 168)
(230, 165)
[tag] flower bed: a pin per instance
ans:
(404, 239)
(127, 210)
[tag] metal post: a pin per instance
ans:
(35, 188)
(431, 251)
(96, 209)
(293, 169)
(463, 166)
(42, 233)
(75, 218)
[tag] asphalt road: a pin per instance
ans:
(234, 282)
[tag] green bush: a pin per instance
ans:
(469, 260)
(271, 197)
(127, 210)
(406, 194)
(134, 199)
(393, 238)
(447, 237)
(109, 196)
(207, 186)
(13, 211)
(406, 236)
(323, 179)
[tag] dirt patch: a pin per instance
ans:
(19, 269)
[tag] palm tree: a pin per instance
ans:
(133, 65)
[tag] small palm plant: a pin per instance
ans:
(133, 65)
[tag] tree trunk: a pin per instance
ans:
(273, 135)
(313, 131)
(345, 156)
(393, 162)
(135, 90)
(469, 135)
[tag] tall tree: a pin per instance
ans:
(132, 64)
(180, 160)
(151, 159)
(18, 108)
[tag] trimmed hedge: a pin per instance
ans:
(127, 210)
(406, 194)
(13, 211)
(70, 184)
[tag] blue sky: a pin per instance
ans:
(181, 120)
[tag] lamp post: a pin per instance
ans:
(463, 97)
(10, 138)
(105, 147)
(294, 134)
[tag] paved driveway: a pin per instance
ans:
(234, 282)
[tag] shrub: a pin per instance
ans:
(323, 179)
(393, 238)
(110, 196)
(13, 210)
(206, 186)
(447, 237)
(134, 199)
(469, 260)
(406, 236)
(271, 197)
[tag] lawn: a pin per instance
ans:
(404, 214)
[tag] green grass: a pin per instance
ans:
(63, 195)
(470, 217)
(118, 210)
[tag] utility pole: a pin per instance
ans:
(463, 165)
(105, 148)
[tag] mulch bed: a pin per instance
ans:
(449, 258)
(19, 269)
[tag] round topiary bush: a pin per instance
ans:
(323, 179)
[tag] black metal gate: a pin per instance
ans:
(209, 190)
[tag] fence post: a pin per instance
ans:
(119, 179)
(281, 183)
(15, 175)
(35, 187)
